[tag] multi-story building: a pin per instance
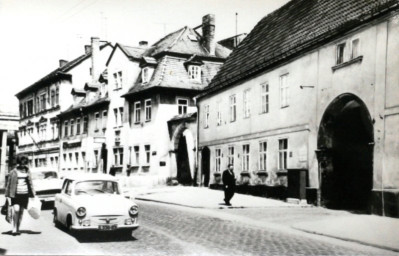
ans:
(171, 73)
(41, 102)
(314, 86)
(8, 139)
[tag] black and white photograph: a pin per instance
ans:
(199, 127)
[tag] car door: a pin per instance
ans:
(62, 199)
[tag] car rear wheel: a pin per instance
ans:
(55, 219)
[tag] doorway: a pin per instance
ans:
(205, 165)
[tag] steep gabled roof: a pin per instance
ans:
(185, 41)
(59, 72)
(131, 52)
(297, 27)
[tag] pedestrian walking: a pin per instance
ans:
(229, 183)
(18, 190)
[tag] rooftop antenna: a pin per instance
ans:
(235, 38)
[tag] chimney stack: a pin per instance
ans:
(87, 49)
(95, 58)
(143, 43)
(208, 33)
(63, 62)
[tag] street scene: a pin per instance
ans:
(176, 127)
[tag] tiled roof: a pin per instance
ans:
(59, 71)
(180, 42)
(171, 73)
(82, 104)
(132, 52)
(291, 30)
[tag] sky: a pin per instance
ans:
(36, 34)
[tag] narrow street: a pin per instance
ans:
(175, 230)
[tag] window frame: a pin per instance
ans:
(233, 107)
(262, 155)
(194, 73)
(340, 55)
(354, 56)
(284, 91)
(147, 154)
(148, 109)
(230, 154)
(206, 113)
(246, 105)
(182, 109)
(246, 157)
(218, 159)
(282, 155)
(137, 112)
(265, 87)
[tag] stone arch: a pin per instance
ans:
(345, 142)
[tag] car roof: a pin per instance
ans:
(89, 176)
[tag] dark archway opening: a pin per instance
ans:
(183, 163)
(346, 133)
(205, 165)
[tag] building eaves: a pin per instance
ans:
(295, 28)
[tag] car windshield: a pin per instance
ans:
(93, 187)
(44, 175)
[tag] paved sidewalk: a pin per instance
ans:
(376, 231)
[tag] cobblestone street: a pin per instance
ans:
(174, 230)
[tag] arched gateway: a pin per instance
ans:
(345, 139)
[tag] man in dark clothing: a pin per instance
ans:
(229, 184)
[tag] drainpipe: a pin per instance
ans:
(199, 172)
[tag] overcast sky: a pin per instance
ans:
(35, 34)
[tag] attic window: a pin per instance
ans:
(194, 73)
(192, 38)
(145, 75)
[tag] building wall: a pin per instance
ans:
(130, 71)
(373, 80)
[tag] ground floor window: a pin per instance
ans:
(218, 159)
(147, 149)
(262, 155)
(282, 154)
(118, 156)
(245, 157)
(230, 155)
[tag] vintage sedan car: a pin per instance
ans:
(46, 183)
(94, 202)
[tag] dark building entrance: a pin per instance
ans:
(183, 164)
(205, 165)
(346, 139)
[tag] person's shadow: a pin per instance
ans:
(29, 232)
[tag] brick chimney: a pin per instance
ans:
(63, 62)
(143, 43)
(95, 59)
(208, 33)
(87, 49)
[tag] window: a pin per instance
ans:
(57, 95)
(97, 120)
(121, 116)
(137, 112)
(284, 92)
(182, 106)
(52, 99)
(262, 155)
(219, 115)
(30, 107)
(246, 103)
(206, 113)
(245, 157)
(72, 126)
(118, 156)
(265, 98)
(96, 158)
(340, 53)
(83, 157)
(77, 126)
(137, 155)
(230, 156)
(76, 159)
(43, 101)
(145, 75)
(147, 105)
(233, 108)
(104, 120)
(85, 124)
(116, 117)
(194, 73)
(37, 104)
(218, 158)
(282, 154)
(65, 128)
(118, 80)
(147, 149)
(355, 48)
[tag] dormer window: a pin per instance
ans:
(194, 73)
(145, 75)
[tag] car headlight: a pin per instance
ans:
(134, 210)
(81, 212)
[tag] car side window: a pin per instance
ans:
(68, 189)
(64, 185)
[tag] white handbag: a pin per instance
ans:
(34, 208)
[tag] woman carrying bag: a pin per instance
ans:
(18, 190)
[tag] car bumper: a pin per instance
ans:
(46, 198)
(89, 224)
(124, 227)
